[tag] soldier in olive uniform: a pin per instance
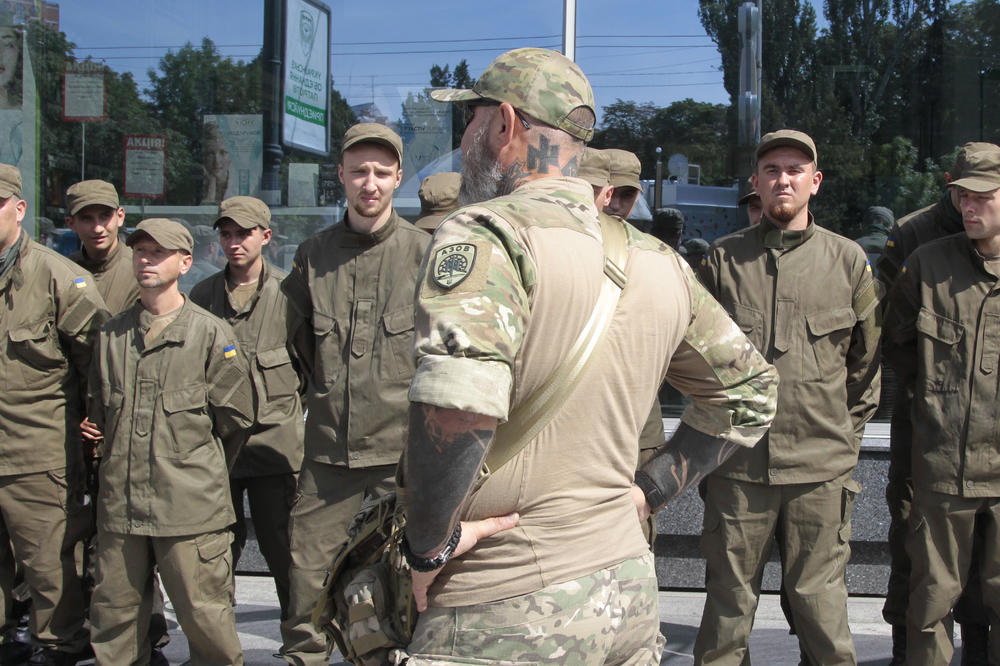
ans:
(907, 234)
(807, 299)
(350, 318)
(565, 575)
(941, 336)
(96, 217)
(170, 392)
(49, 319)
(438, 197)
(247, 294)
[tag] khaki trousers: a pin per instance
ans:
(42, 517)
(197, 574)
(327, 499)
(940, 543)
(608, 617)
(271, 499)
(813, 521)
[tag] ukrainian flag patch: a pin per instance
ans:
(890, 243)
(229, 351)
(80, 283)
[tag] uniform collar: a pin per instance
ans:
(175, 331)
(978, 259)
(11, 273)
(248, 307)
(352, 238)
(782, 239)
(100, 265)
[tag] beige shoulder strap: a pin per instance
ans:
(534, 413)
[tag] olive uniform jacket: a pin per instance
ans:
(113, 276)
(173, 414)
(942, 337)
(350, 320)
(807, 300)
(275, 444)
(49, 318)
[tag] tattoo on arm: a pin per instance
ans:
(445, 453)
(684, 460)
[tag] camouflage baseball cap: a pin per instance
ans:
(625, 168)
(248, 212)
(374, 133)
(981, 171)
(595, 167)
(543, 83)
(169, 234)
(89, 193)
(788, 137)
(10, 181)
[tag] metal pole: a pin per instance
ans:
(658, 184)
(569, 29)
(83, 151)
(270, 187)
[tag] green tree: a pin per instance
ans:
(444, 77)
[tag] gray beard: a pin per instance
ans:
(482, 175)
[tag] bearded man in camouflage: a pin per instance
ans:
(547, 553)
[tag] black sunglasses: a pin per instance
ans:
(469, 110)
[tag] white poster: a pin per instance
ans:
(233, 156)
(306, 85)
(145, 166)
(18, 114)
(83, 91)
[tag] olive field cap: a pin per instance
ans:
(788, 137)
(374, 133)
(595, 167)
(747, 198)
(168, 234)
(543, 83)
(90, 193)
(248, 212)
(669, 218)
(962, 157)
(625, 168)
(10, 181)
(438, 198)
(981, 172)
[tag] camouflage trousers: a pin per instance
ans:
(608, 617)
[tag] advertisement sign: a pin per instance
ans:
(305, 116)
(84, 91)
(233, 150)
(145, 166)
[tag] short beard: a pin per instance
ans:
(482, 174)
(783, 212)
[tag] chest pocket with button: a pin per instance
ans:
(940, 351)
(397, 353)
(750, 321)
(327, 362)
(828, 341)
(280, 379)
(187, 418)
(35, 349)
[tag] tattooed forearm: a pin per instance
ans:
(444, 455)
(680, 463)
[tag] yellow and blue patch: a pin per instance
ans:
(80, 283)
(229, 351)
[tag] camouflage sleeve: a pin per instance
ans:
(863, 370)
(899, 340)
(471, 307)
(734, 391)
(230, 391)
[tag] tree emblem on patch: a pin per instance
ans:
(453, 263)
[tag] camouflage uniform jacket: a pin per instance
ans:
(507, 286)
(113, 276)
(49, 318)
(913, 230)
(173, 415)
(807, 300)
(350, 321)
(942, 336)
(275, 444)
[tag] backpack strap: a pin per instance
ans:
(529, 417)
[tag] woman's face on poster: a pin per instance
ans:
(10, 50)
